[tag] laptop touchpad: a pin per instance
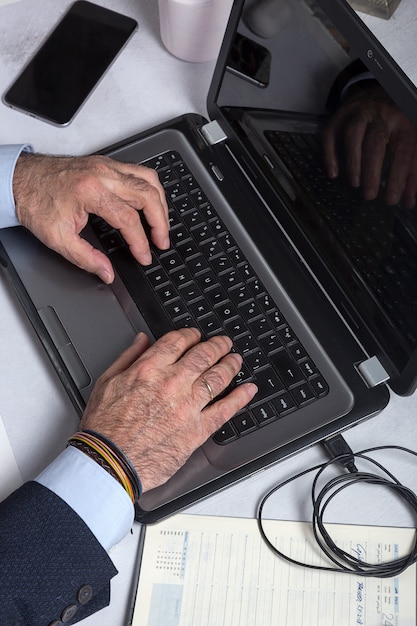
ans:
(65, 347)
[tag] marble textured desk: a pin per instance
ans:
(145, 86)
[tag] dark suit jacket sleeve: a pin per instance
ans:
(52, 566)
(354, 73)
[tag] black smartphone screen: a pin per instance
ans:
(70, 63)
(250, 60)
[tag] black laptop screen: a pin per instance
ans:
(296, 89)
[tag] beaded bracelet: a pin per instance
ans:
(109, 456)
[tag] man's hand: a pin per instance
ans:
(154, 404)
(55, 195)
(368, 127)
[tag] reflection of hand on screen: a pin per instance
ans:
(370, 133)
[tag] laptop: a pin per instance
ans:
(315, 286)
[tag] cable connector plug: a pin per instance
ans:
(339, 450)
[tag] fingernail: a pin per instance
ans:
(369, 194)
(253, 389)
(147, 258)
(166, 243)
(105, 276)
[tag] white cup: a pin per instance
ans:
(193, 30)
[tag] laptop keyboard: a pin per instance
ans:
(377, 244)
(205, 281)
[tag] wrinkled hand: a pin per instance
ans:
(55, 195)
(369, 125)
(153, 404)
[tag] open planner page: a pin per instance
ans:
(217, 571)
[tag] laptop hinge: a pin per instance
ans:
(373, 372)
(213, 133)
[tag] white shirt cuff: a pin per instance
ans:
(8, 157)
(92, 493)
(353, 81)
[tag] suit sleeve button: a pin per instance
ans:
(56, 622)
(68, 613)
(85, 594)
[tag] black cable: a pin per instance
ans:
(343, 456)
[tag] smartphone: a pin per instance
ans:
(70, 63)
(249, 60)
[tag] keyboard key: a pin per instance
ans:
(237, 256)
(277, 319)
(200, 308)
(288, 370)
(227, 241)
(157, 278)
(190, 184)
(221, 264)
(256, 360)
(256, 286)
(211, 248)
(263, 413)
(210, 325)
(171, 261)
(249, 310)
(243, 423)
(190, 292)
(226, 312)
(225, 434)
(245, 344)
(284, 404)
(188, 249)
(319, 386)
(265, 301)
(216, 295)
(157, 162)
(185, 322)
(244, 375)
(167, 293)
(271, 343)
(287, 335)
(207, 280)
(181, 277)
(308, 368)
(183, 205)
(174, 191)
(261, 326)
(199, 197)
(298, 352)
(268, 384)
(208, 212)
(193, 219)
(172, 156)
(198, 264)
(167, 176)
(177, 235)
(176, 309)
(230, 279)
(240, 294)
(235, 328)
(303, 394)
(112, 241)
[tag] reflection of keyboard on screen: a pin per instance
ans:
(205, 281)
(371, 234)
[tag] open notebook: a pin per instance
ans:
(205, 571)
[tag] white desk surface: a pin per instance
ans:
(144, 87)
